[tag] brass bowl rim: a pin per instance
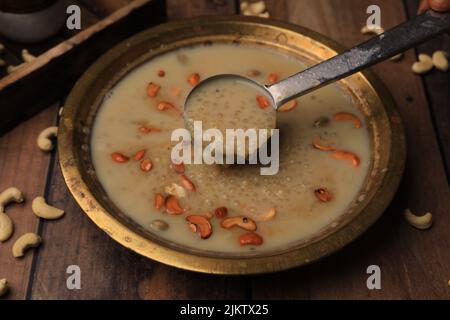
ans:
(245, 265)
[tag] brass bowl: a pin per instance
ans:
(373, 99)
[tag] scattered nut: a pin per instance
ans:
(321, 122)
(119, 157)
(153, 89)
(159, 201)
(145, 129)
(440, 60)
(2, 47)
(6, 227)
(173, 206)
(164, 105)
(424, 64)
(250, 238)
(2, 63)
(268, 215)
(27, 56)
(28, 240)
(346, 155)
(288, 106)
(4, 287)
(347, 116)
(159, 225)
(45, 211)
(176, 190)
(9, 195)
(221, 212)
(257, 7)
(324, 195)
(139, 155)
(200, 225)
(419, 222)
(373, 29)
(239, 221)
(44, 141)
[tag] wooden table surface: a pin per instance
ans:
(414, 264)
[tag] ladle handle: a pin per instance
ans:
(379, 48)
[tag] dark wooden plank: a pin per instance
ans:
(24, 166)
(414, 263)
(109, 271)
(437, 86)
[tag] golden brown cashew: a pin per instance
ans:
(4, 288)
(45, 211)
(419, 222)
(10, 195)
(28, 240)
(2, 63)
(44, 141)
(6, 227)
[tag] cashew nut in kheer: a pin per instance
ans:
(3, 287)
(424, 64)
(440, 60)
(44, 141)
(10, 195)
(45, 211)
(28, 240)
(6, 225)
(419, 222)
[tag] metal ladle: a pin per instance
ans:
(394, 41)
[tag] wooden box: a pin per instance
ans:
(63, 58)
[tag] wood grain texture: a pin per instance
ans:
(24, 166)
(414, 263)
(109, 271)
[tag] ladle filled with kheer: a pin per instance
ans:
(232, 93)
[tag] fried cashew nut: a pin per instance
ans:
(28, 240)
(45, 211)
(44, 141)
(420, 222)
